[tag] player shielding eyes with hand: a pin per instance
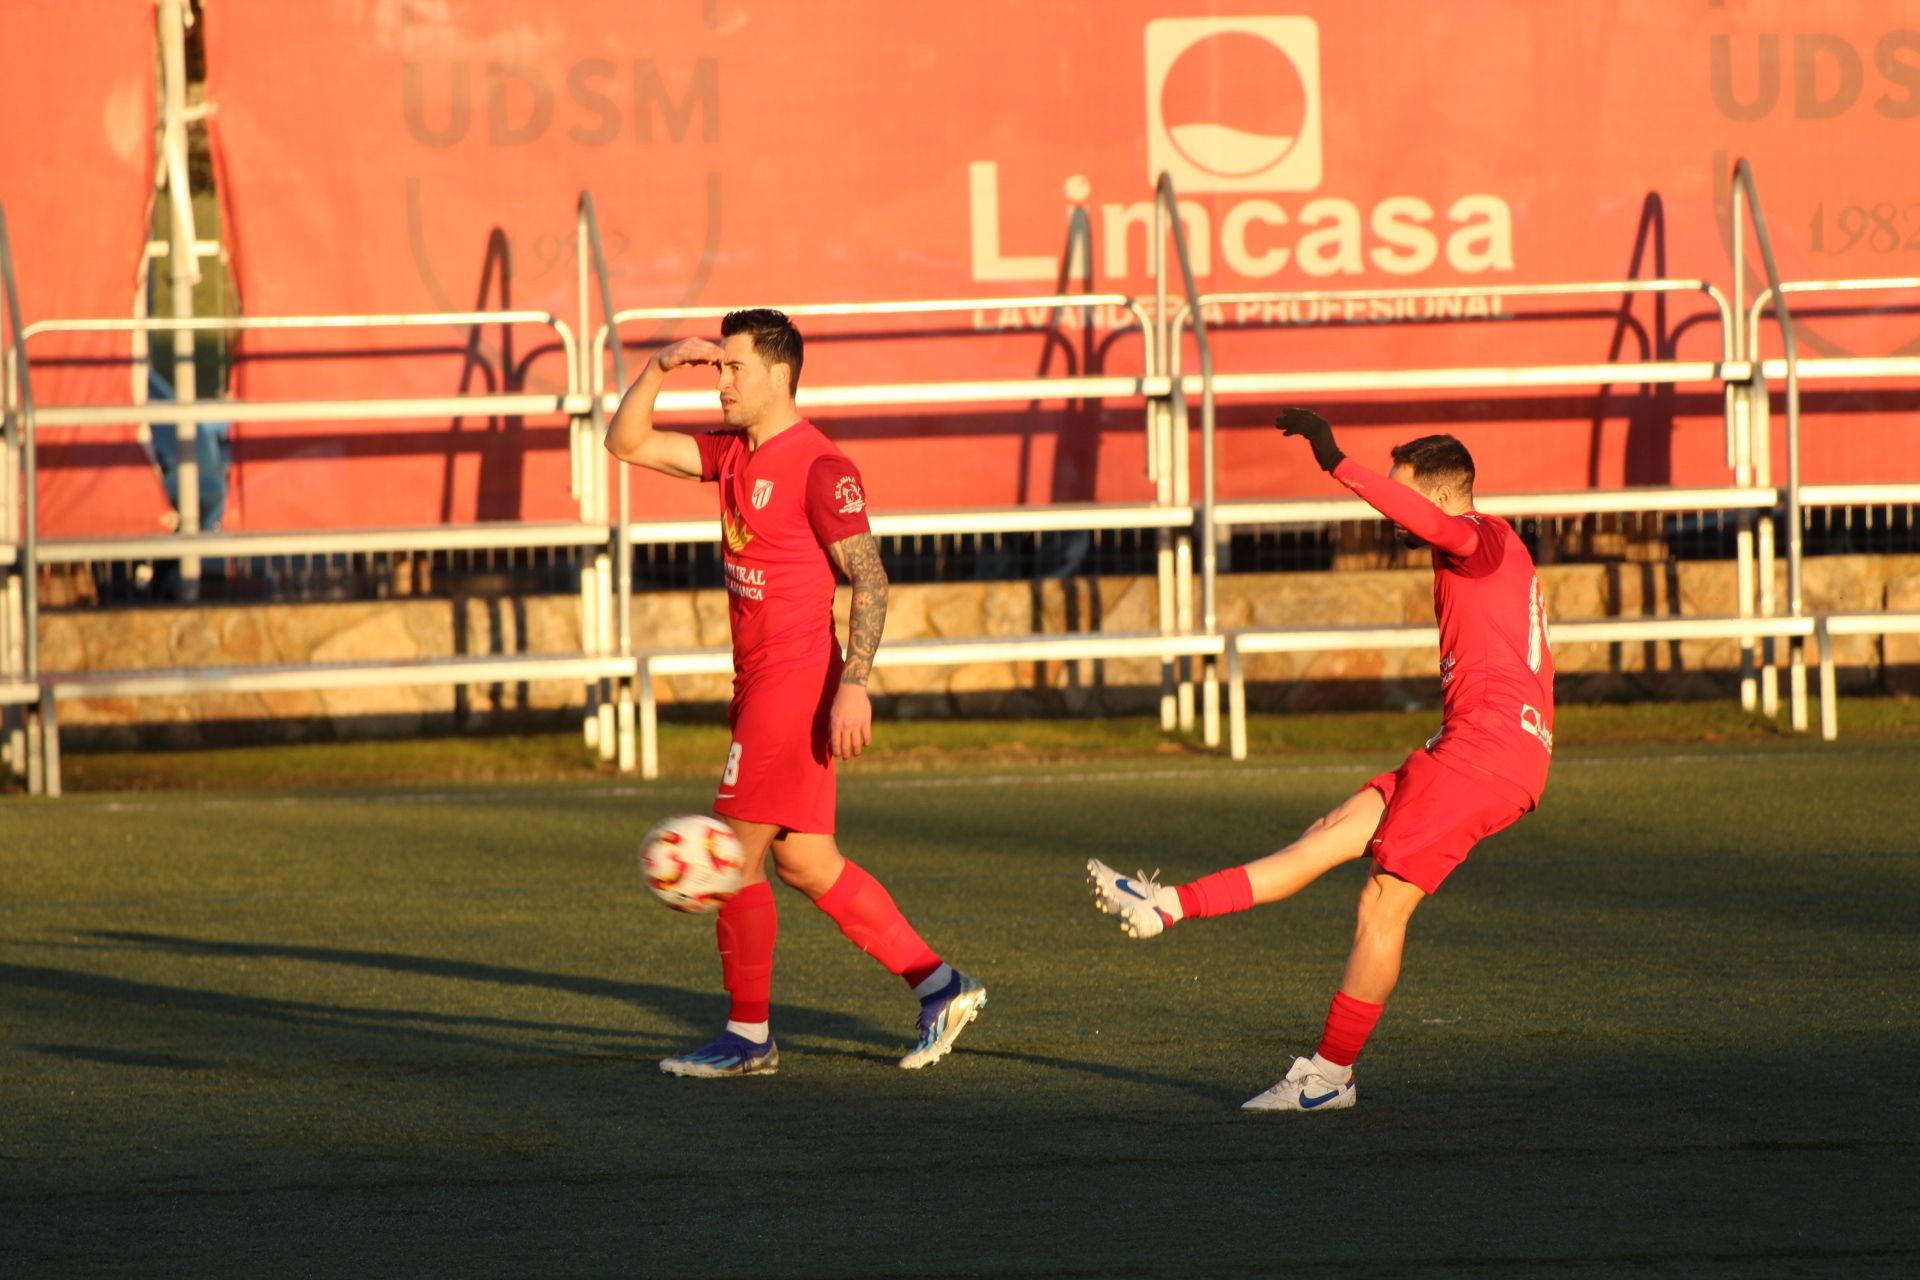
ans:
(792, 510)
(1485, 767)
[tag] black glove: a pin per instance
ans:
(1316, 431)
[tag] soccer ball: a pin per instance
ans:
(692, 863)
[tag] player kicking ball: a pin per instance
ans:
(1486, 766)
(792, 510)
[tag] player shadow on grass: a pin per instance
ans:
(692, 1011)
(442, 1029)
(805, 1028)
(1229, 1094)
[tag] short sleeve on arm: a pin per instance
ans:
(836, 499)
(713, 447)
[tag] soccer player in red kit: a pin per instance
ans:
(1486, 766)
(792, 510)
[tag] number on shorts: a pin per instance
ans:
(1536, 627)
(732, 774)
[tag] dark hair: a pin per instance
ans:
(1437, 458)
(775, 339)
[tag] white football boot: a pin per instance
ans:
(1305, 1089)
(1145, 906)
(943, 1017)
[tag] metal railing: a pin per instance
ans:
(1870, 368)
(22, 703)
(21, 512)
(1079, 387)
(1746, 198)
(1487, 377)
(222, 410)
(191, 547)
(609, 717)
(1169, 222)
(1216, 515)
(1162, 387)
(1049, 517)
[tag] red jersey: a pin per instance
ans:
(781, 506)
(1496, 668)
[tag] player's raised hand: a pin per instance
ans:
(1316, 431)
(688, 351)
(850, 723)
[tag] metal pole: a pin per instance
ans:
(581, 447)
(590, 643)
(1759, 415)
(1740, 411)
(28, 568)
(1155, 340)
(12, 663)
(1737, 231)
(580, 471)
(185, 274)
(29, 738)
(617, 733)
(1744, 184)
(1740, 450)
(13, 728)
(1167, 199)
(578, 375)
(1209, 535)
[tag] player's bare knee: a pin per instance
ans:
(1360, 809)
(1386, 904)
(807, 878)
(808, 865)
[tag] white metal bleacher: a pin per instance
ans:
(311, 677)
(1630, 630)
(1161, 389)
(602, 615)
(1092, 646)
(1829, 625)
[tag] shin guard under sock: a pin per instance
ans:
(748, 925)
(865, 912)
(1216, 895)
(1349, 1023)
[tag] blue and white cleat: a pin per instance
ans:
(1305, 1089)
(943, 1018)
(1145, 906)
(730, 1055)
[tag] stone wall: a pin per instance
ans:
(211, 635)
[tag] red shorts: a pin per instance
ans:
(779, 769)
(1434, 816)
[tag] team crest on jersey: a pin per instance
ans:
(847, 492)
(736, 531)
(762, 493)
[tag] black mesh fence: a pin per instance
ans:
(1632, 537)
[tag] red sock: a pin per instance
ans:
(749, 922)
(1349, 1023)
(1217, 894)
(864, 910)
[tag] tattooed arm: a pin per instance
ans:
(851, 724)
(858, 558)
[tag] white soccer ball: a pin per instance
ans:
(693, 862)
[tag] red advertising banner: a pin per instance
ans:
(406, 157)
(76, 165)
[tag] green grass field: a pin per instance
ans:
(1665, 1025)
